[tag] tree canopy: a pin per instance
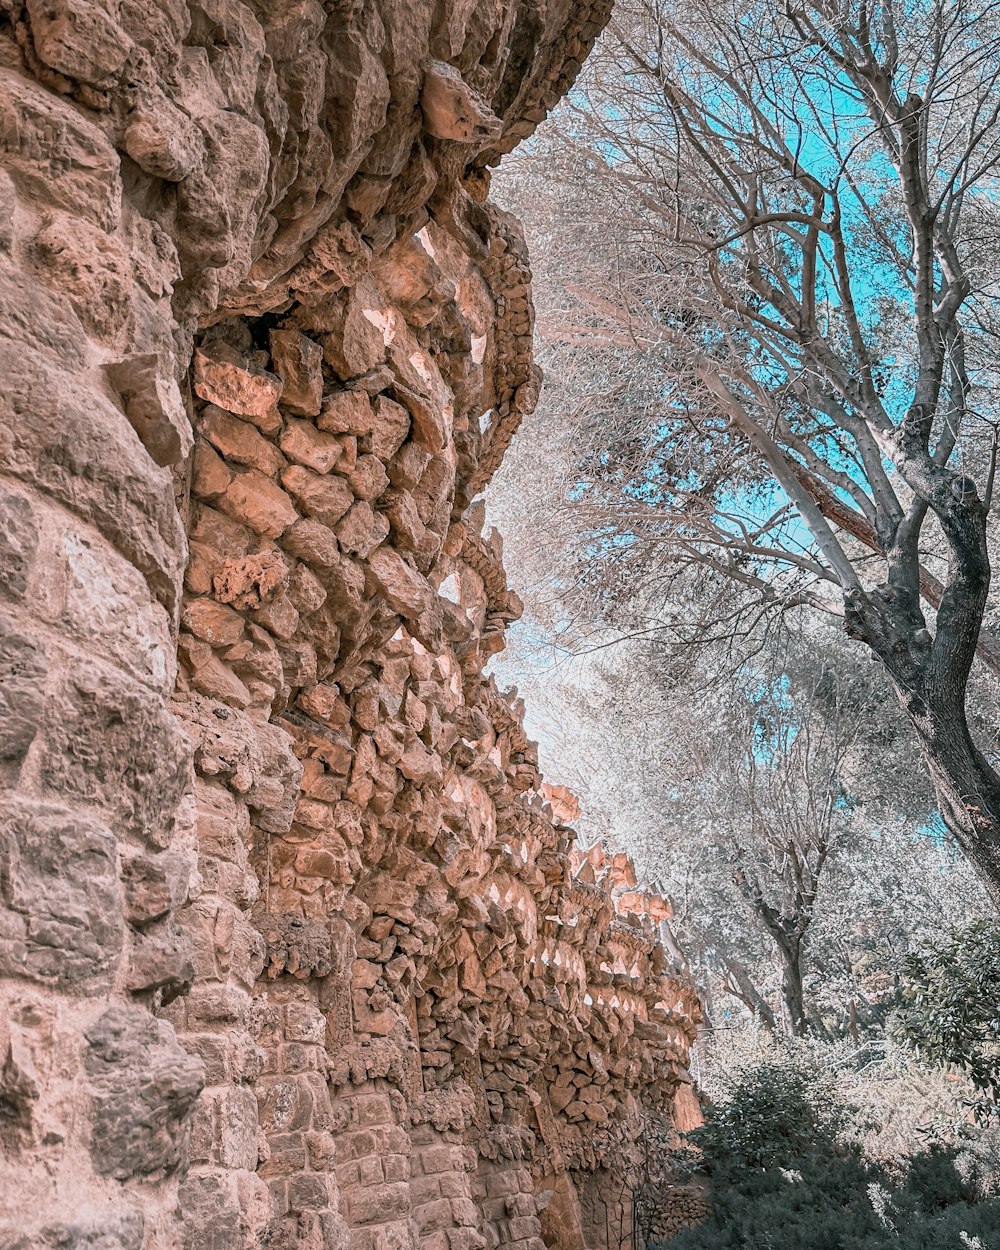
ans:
(775, 340)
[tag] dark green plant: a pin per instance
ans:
(780, 1110)
(837, 1204)
(935, 1182)
(948, 1010)
(783, 1178)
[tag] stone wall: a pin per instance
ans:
(295, 951)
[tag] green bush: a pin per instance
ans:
(782, 1109)
(948, 1008)
(784, 1178)
(838, 1204)
(935, 1182)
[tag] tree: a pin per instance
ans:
(776, 799)
(949, 1007)
(772, 802)
(793, 352)
(897, 888)
(785, 1174)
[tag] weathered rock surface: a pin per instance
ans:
(294, 951)
(143, 1085)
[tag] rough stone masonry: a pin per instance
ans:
(295, 950)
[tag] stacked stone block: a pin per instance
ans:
(293, 951)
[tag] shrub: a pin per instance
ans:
(948, 1008)
(778, 1112)
(837, 1204)
(784, 1178)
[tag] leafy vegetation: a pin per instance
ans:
(788, 1173)
(949, 1008)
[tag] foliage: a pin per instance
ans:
(949, 1007)
(837, 1203)
(779, 1113)
(771, 312)
(784, 1175)
(655, 741)
(888, 1105)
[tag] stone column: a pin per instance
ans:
(95, 1090)
(253, 308)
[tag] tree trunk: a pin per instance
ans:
(931, 677)
(849, 520)
(744, 990)
(852, 1022)
(792, 993)
(967, 787)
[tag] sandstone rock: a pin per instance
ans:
(343, 252)
(295, 946)
(407, 592)
(408, 529)
(325, 498)
(362, 795)
(8, 203)
(346, 412)
(153, 405)
(412, 280)
(212, 622)
(388, 429)
(238, 441)
(224, 377)
(454, 110)
(211, 476)
(218, 1206)
(324, 703)
(23, 670)
(77, 448)
(115, 1231)
(276, 786)
(160, 958)
(312, 541)
(18, 542)
(78, 39)
(227, 537)
(305, 590)
(143, 1086)
(420, 765)
(280, 616)
(163, 142)
(54, 154)
(298, 361)
(362, 530)
(210, 676)
(302, 442)
(362, 89)
(90, 269)
(154, 885)
(251, 581)
(205, 238)
(430, 417)
(406, 470)
(109, 743)
(368, 479)
(59, 912)
(259, 503)
(359, 323)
